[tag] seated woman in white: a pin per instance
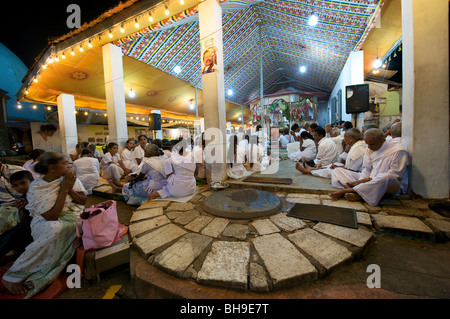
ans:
(138, 153)
(151, 178)
(307, 148)
(236, 159)
(180, 170)
(29, 165)
(257, 157)
(87, 169)
(54, 202)
(112, 168)
(127, 155)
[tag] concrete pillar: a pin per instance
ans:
(115, 94)
(158, 132)
(210, 25)
(425, 94)
(67, 122)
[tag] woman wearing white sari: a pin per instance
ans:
(88, 170)
(154, 172)
(54, 202)
(307, 149)
(180, 170)
(236, 159)
(112, 168)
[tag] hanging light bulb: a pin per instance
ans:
(34, 107)
(181, 1)
(131, 117)
(177, 69)
(26, 91)
(110, 34)
(377, 63)
(49, 108)
(303, 69)
(131, 93)
(105, 115)
(63, 56)
(230, 92)
(136, 24)
(191, 106)
(56, 59)
(395, 54)
(166, 11)
(44, 66)
(150, 18)
(90, 44)
(35, 80)
(19, 106)
(81, 48)
(71, 52)
(399, 48)
(239, 118)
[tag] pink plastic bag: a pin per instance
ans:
(100, 225)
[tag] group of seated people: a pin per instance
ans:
(369, 165)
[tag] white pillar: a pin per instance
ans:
(158, 132)
(115, 94)
(210, 25)
(425, 97)
(67, 122)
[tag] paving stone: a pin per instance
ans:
(216, 227)
(139, 228)
(199, 223)
(186, 217)
(301, 195)
(287, 223)
(325, 251)
(358, 237)
(149, 242)
(154, 204)
(429, 213)
(307, 199)
(400, 210)
(401, 223)
(226, 264)
(258, 279)
(146, 214)
(419, 204)
(364, 218)
(372, 209)
(265, 227)
(358, 206)
(238, 231)
(180, 207)
(196, 198)
(177, 258)
(173, 214)
(285, 264)
(441, 225)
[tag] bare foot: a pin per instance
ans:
(300, 168)
(14, 288)
(353, 197)
(337, 195)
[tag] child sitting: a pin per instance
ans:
(19, 236)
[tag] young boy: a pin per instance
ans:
(19, 236)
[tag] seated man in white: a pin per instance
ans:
(87, 170)
(384, 171)
(337, 138)
(353, 160)
(326, 150)
(284, 139)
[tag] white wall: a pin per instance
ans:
(352, 74)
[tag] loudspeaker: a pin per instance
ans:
(154, 121)
(357, 98)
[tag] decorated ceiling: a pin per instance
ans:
(287, 42)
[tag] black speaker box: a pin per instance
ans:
(154, 121)
(357, 98)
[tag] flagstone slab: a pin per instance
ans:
(265, 227)
(441, 225)
(216, 227)
(358, 206)
(285, 264)
(402, 225)
(363, 218)
(138, 228)
(258, 279)
(358, 237)
(154, 204)
(186, 217)
(151, 241)
(237, 231)
(325, 251)
(180, 206)
(177, 258)
(199, 223)
(303, 200)
(226, 264)
(146, 214)
(287, 223)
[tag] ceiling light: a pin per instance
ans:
(177, 69)
(239, 118)
(313, 20)
(90, 44)
(81, 49)
(230, 92)
(110, 34)
(63, 56)
(136, 24)
(56, 59)
(71, 52)
(150, 18)
(19, 106)
(35, 80)
(167, 12)
(131, 93)
(303, 69)
(192, 106)
(181, 1)
(49, 108)
(105, 115)
(122, 30)
(85, 113)
(377, 63)
(34, 107)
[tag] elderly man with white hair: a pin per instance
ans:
(353, 161)
(384, 171)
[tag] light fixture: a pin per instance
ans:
(143, 119)
(90, 44)
(166, 11)
(35, 80)
(63, 56)
(19, 106)
(44, 66)
(375, 71)
(81, 48)
(191, 106)
(239, 118)
(136, 24)
(230, 92)
(49, 108)
(71, 52)
(122, 30)
(76, 112)
(150, 18)
(110, 34)
(377, 63)
(85, 113)
(303, 69)
(34, 107)
(50, 60)
(131, 117)
(131, 93)
(181, 1)
(105, 115)
(26, 91)
(177, 69)
(56, 59)
(313, 20)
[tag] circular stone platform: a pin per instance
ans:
(241, 204)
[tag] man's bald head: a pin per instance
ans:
(396, 130)
(374, 138)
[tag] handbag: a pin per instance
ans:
(99, 225)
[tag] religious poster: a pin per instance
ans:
(209, 60)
